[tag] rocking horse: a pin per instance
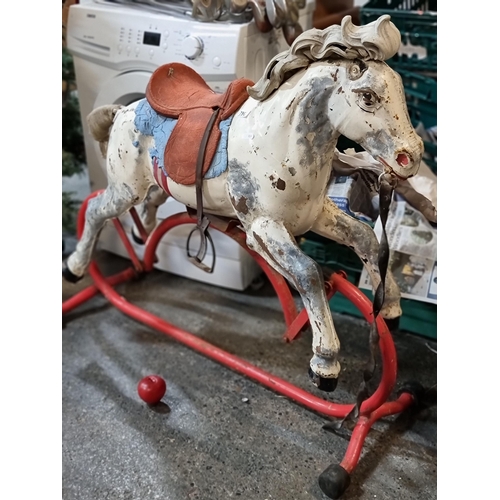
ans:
(259, 157)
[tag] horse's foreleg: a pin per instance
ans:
(147, 211)
(113, 202)
(278, 247)
(336, 225)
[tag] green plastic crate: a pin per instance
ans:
(420, 86)
(421, 101)
(419, 318)
(417, 23)
(332, 255)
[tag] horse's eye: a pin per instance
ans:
(368, 99)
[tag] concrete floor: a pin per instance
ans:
(218, 435)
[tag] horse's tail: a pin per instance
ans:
(100, 121)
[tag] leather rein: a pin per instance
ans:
(387, 186)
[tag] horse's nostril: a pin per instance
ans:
(402, 159)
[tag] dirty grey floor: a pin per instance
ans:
(218, 435)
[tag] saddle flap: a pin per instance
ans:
(175, 87)
(234, 97)
(180, 155)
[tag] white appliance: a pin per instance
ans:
(116, 46)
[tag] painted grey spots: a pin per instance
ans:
(128, 189)
(305, 269)
(141, 149)
(292, 171)
(350, 230)
(379, 143)
(132, 136)
(314, 127)
(243, 187)
(314, 104)
(296, 103)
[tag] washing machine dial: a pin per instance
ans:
(192, 47)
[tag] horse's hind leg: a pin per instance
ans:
(147, 211)
(336, 225)
(113, 202)
(278, 247)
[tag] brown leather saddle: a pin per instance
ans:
(177, 91)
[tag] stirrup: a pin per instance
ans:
(205, 236)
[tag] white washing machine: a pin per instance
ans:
(116, 46)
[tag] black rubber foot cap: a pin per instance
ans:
(69, 276)
(423, 398)
(334, 480)
(136, 238)
(322, 383)
(392, 324)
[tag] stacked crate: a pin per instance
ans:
(419, 318)
(417, 61)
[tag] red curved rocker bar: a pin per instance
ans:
(374, 408)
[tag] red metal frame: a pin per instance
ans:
(374, 408)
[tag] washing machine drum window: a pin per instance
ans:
(124, 89)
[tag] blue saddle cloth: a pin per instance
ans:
(149, 122)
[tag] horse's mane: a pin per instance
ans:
(378, 40)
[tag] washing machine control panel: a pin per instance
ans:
(192, 47)
(123, 38)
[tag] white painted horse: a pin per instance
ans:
(280, 147)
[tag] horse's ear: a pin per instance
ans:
(356, 69)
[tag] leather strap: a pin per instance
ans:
(202, 221)
(386, 190)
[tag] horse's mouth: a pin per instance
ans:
(389, 170)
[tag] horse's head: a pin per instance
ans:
(367, 102)
(369, 107)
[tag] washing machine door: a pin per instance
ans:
(124, 88)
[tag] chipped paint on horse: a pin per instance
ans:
(281, 144)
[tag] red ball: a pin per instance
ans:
(151, 389)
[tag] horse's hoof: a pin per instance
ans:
(393, 324)
(323, 383)
(69, 276)
(136, 238)
(334, 480)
